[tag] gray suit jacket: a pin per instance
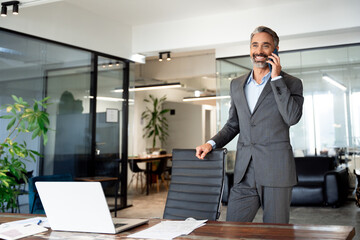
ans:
(264, 134)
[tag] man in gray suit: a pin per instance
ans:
(264, 104)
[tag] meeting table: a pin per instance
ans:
(212, 230)
(149, 160)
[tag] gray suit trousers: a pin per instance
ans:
(247, 196)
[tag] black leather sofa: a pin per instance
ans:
(320, 182)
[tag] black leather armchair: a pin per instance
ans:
(320, 182)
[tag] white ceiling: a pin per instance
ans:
(140, 12)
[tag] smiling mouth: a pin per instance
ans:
(260, 57)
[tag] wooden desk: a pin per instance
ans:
(149, 160)
(213, 230)
(103, 179)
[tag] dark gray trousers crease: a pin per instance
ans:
(247, 197)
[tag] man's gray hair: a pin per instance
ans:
(267, 30)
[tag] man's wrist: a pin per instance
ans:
(276, 78)
(212, 143)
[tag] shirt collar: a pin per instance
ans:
(264, 79)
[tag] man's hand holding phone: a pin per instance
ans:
(274, 64)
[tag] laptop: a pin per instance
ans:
(80, 207)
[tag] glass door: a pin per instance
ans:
(69, 145)
(109, 100)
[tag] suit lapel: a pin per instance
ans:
(265, 91)
(242, 94)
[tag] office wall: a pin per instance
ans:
(67, 23)
(140, 143)
(186, 128)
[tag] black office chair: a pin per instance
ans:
(21, 188)
(35, 205)
(159, 174)
(137, 173)
(196, 185)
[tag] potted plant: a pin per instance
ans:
(23, 119)
(156, 123)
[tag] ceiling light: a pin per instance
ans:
(15, 9)
(333, 82)
(4, 6)
(3, 11)
(210, 97)
(167, 56)
(151, 87)
(157, 86)
(108, 99)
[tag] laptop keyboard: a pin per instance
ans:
(116, 225)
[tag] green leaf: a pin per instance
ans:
(35, 152)
(45, 119)
(15, 98)
(36, 107)
(41, 123)
(45, 99)
(164, 111)
(45, 139)
(11, 123)
(35, 133)
(7, 116)
(22, 124)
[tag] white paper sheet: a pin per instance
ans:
(17, 231)
(169, 229)
(41, 221)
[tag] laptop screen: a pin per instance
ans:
(76, 206)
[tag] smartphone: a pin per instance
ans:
(277, 53)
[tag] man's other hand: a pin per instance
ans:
(202, 150)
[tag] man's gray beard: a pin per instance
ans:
(259, 64)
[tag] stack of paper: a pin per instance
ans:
(22, 228)
(169, 229)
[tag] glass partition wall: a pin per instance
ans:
(87, 117)
(330, 124)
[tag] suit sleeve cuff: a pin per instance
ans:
(212, 143)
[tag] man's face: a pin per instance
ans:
(262, 45)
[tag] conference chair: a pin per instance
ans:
(138, 173)
(21, 188)
(35, 205)
(196, 185)
(159, 173)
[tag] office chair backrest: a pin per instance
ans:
(134, 167)
(35, 205)
(196, 185)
